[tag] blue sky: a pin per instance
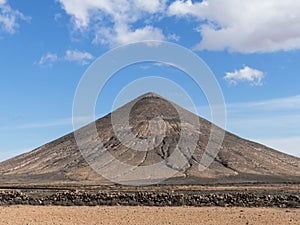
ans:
(252, 47)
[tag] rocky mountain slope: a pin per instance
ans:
(239, 161)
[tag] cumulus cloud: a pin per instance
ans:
(233, 25)
(247, 74)
(112, 20)
(187, 8)
(82, 58)
(121, 34)
(48, 59)
(243, 26)
(9, 18)
(124, 11)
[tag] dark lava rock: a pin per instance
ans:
(148, 198)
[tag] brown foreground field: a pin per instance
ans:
(146, 215)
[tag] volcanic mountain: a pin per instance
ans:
(156, 124)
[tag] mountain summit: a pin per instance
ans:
(158, 123)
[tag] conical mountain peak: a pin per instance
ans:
(149, 106)
(150, 95)
(150, 115)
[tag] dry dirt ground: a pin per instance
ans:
(147, 215)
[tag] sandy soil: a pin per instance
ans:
(146, 215)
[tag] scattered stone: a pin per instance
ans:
(148, 198)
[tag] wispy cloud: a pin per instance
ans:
(246, 74)
(169, 64)
(82, 58)
(173, 37)
(9, 18)
(279, 104)
(56, 123)
(274, 122)
(48, 59)
(53, 123)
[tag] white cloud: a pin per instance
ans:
(121, 34)
(187, 8)
(173, 37)
(48, 59)
(112, 20)
(247, 74)
(244, 26)
(152, 6)
(234, 25)
(119, 11)
(9, 18)
(82, 58)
